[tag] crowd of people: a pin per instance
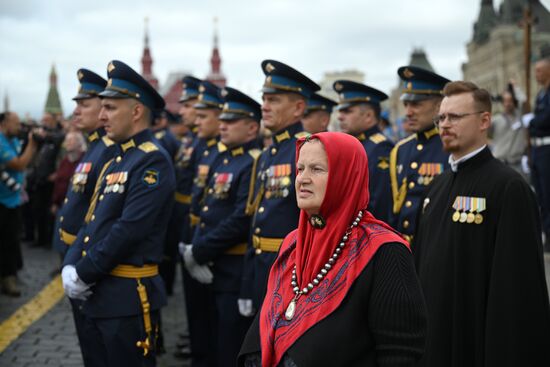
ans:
(297, 246)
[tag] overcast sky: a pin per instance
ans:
(314, 36)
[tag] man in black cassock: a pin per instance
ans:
(478, 250)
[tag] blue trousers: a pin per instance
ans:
(111, 342)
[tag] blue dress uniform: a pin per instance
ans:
(377, 145)
(70, 217)
(416, 160)
(199, 298)
(539, 132)
(273, 200)
(222, 234)
(184, 170)
(165, 136)
(120, 247)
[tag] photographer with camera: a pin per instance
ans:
(12, 165)
(49, 137)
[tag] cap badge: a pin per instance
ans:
(407, 73)
(111, 67)
(269, 67)
(338, 87)
(80, 75)
(202, 88)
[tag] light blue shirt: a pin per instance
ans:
(9, 149)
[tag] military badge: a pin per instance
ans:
(278, 181)
(428, 171)
(468, 209)
(407, 73)
(151, 177)
(202, 175)
(80, 176)
(269, 67)
(222, 185)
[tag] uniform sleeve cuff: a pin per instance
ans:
(87, 271)
(200, 254)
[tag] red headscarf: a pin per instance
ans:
(310, 248)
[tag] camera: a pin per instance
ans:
(40, 134)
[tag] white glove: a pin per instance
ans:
(74, 287)
(525, 164)
(245, 307)
(201, 273)
(181, 248)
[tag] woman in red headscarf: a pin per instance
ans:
(343, 290)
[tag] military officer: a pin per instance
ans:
(185, 171)
(222, 235)
(164, 134)
(100, 149)
(113, 264)
(272, 202)
(359, 115)
(70, 217)
(197, 278)
(417, 159)
(318, 112)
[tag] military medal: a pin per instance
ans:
(456, 216)
(478, 218)
(116, 187)
(420, 180)
(468, 209)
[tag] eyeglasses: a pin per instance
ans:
(453, 118)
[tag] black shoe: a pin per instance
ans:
(183, 353)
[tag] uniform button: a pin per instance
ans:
(205, 208)
(420, 147)
(258, 251)
(408, 203)
(205, 153)
(60, 231)
(414, 165)
(118, 159)
(101, 197)
(406, 224)
(86, 239)
(203, 225)
(257, 230)
(261, 209)
(225, 161)
(66, 200)
(273, 151)
(411, 185)
(93, 216)
(210, 191)
(61, 219)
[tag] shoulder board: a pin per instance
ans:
(108, 142)
(377, 138)
(302, 134)
(405, 140)
(148, 147)
(221, 147)
(255, 153)
(160, 134)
